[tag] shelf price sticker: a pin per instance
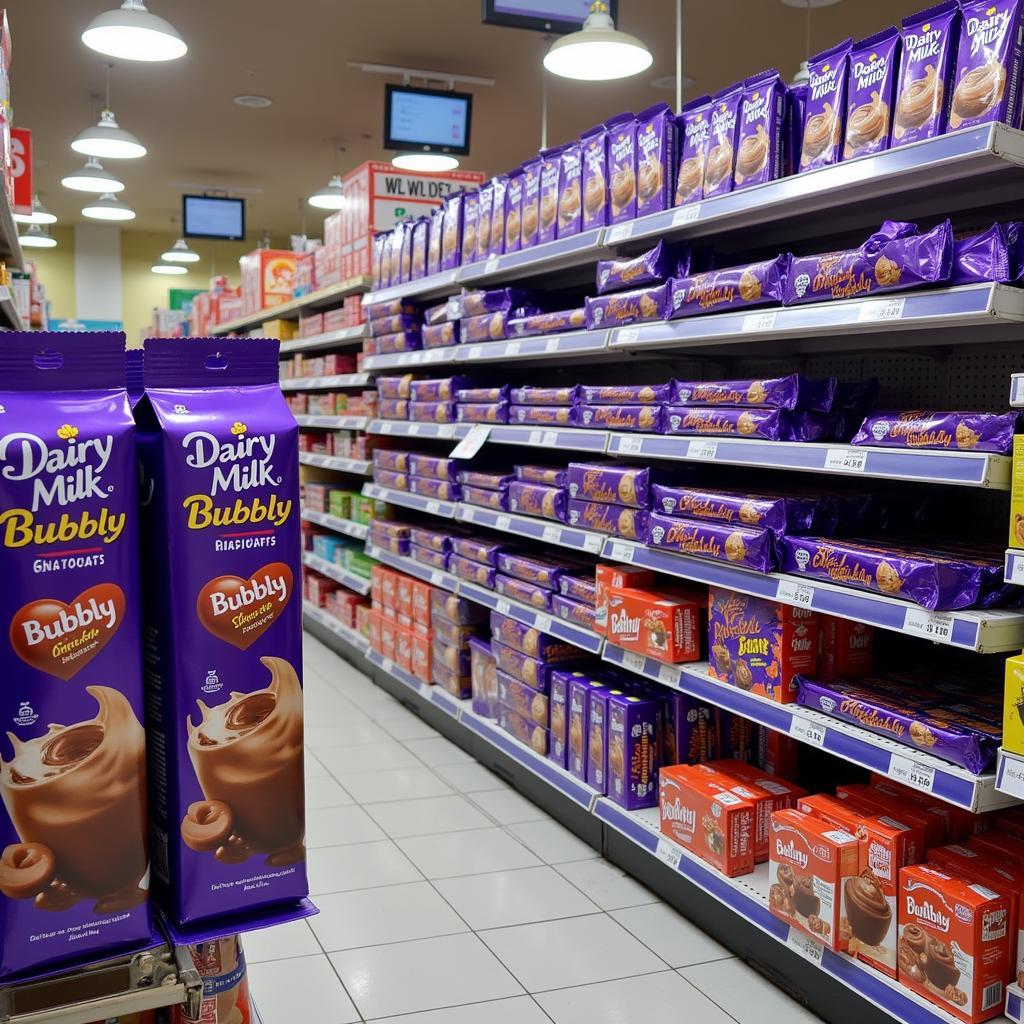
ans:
(543, 623)
(618, 233)
(937, 626)
(702, 449)
(475, 352)
(512, 348)
(1016, 574)
(437, 577)
(799, 594)
(1011, 779)
(807, 731)
(807, 947)
(627, 335)
(502, 523)
(629, 445)
(433, 507)
(621, 553)
(388, 665)
(846, 460)
(413, 429)
(502, 606)
(535, 436)
(491, 265)
(633, 661)
(472, 442)
(669, 674)
(685, 215)
(552, 535)
(881, 309)
(552, 344)
(385, 427)
(912, 773)
(669, 853)
(758, 322)
(592, 543)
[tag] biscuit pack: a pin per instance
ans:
(74, 868)
(219, 465)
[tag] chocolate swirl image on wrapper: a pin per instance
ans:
(752, 154)
(920, 101)
(866, 124)
(593, 194)
(867, 909)
(977, 92)
(690, 181)
(623, 187)
(820, 132)
(939, 967)
(719, 166)
(804, 899)
(77, 796)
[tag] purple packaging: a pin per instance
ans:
(75, 862)
(524, 700)
(483, 395)
(399, 341)
(742, 545)
(497, 500)
(779, 515)
(440, 468)
(550, 177)
(483, 678)
(487, 327)
(456, 681)
(694, 126)
(451, 246)
(893, 259)
(531, 568)
(597, 738)
(986, 86)
(551, 476)
(394, 323)
(529, 640)
(580, 689)
(690, 733)
(568, 395)
(522, 729)
(426, 556)
(455, 609)
(397, 245)
(870, 93)
(470, 226)
(826, 107)
(793, 140)
(432, 412)
(396, 545)
(436, 540)
(547, 323)
(420, 230)
(617, 520)
(393, 408)
(500, 186)
(435, 234)
(483, 220)
(933, 581)
(531, 203)
(657, 159)
(923, 92)
(513, 211)
(594, 147)
(133, 363)
(985, 256)
(450, 659)
(441, 389)
(642, 418)
(472, 572)
(958, 431)
(545, 415)
(394, 387)
(632, 307)
(387, 478)
(570, 205)
(536, 500)
(724, 115)
(633, 754)
(527, 593)
(579, 612)
(558, 716)
(440, 335)
(534, 672)
(621, 139)
(479, 301)
(650, 267)
(610, 484)
(477, 412)
(760, 121)
(432, 488)
(392, 307)
(477, 550)
(377, 268)
(484, 478)
(407, 246)
(793, 391)
(218, 449)
(627, 394)
(734, 421)
(579, 588)
(718, 291)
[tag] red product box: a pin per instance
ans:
(810, 863)
(403, 596)
(334, 319)
(1001, 845)
(375, 619)
(420, 605)
(389, 613)
(959, 822)
(847, 648)
(377, 584)
(389, 589)
(786, 793)
(712, 824)
(421, 650)
(954, 943)
(932, 826)
(403, 648)
(268, 279)
(664, 625)
(388, 629)
(761, 800)
(777, 752)
(618, 576)
(311, 325)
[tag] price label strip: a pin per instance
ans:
(937, 626)
(912, 773)
(807, 732)
(472, 442)
(630, 445)
(669, 853)
(702, 449)
(1016, 574)
(845, 460)
(799, 594)
(633, 661)
(881, 309)
(1011, 779)
(807, 947)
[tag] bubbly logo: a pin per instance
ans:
(983, 32)
(921, 45)
(802, 557)
(801, 284)
(674, 810)
(788, 851)
(827, 704)
(879, 429)
(241, 464)
(658, 534)
(925, 911)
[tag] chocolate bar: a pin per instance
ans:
(547, 323)
(718, 291)
(435, 540)
(482, 478)
(650, 267)
(498, 500)
(779, 514)
(432, 412)
(518, 590)
(960, 431)
(644, 418)
(427, 556)
(476, 549)
(985, 256)
(545, 415)
(436, 390)
(394, 387)
(537, 500)
(791, 392)
(627, 394)
(429, 465)
(479, 302)
(550, 476)
(529, 640)
(472, 572)
(610, 484)
(483, 395)
(579, 588)
(618, 520)
(579, 612)
(741, 545)
(441, 335)
(430, 487)
(393, 408)
(531, 568)
(638, 306)
(482, 412)
(568, 395)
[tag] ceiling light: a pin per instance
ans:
(132, 33)
(331, 196)
(253, 101)
(35, 237)
(425, 162)
(167, 268)
(39, 215)
(108, 207)
(598, 52)
(108, 140)
(92, 177)
(180, 253)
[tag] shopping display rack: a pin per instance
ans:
(946, 345)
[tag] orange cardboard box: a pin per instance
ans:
(662, 625)
(388, 630)
(403, 648)
(420, 656)
(785, 793)
(420, 604)
(389, 612)
(403, 596)
(377, 584)
(958, 822)
(375, 620)
(618, 576)
(389, 589)
(1002, 845)
(268, 279)
(809, 865)
(847, 648)
(954, 942)
(761, 799)
(933, 827)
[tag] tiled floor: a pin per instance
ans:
(447, 898)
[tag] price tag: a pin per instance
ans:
(413, 429)
(543, 623)
(629, 445)
(472, 442)
(803, 944)
(491, 265)
(881, 309)
(937, 626)
(453, 308)
(433, 355)
(385, 427)
(669, 853)
(446, 431)
(685, 214)
(799, 594)
(437, 577)
(911, 772)
(1011, 777)
(1016, 569)
(535, 436)
(806, 731)
(621, 553)
(759, 321)
(668, 674)
(405, 358)
(512, 348)
(633, 661)
(552, 535)
(846, 460)
(549, 438)
(502, 523)
(702, 449)
(475, 352)
(627, 335)
(551, 345)
(433, 507)
(592, 543)
(503, 607)
(388, 665)
(618, 233)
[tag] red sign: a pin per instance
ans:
(21, 162)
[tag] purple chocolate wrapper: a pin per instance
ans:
(388, 478)
(477, 550)
(534, 672)
(595, 177)
(579, 588)
(627, 394)
(497, 243)
(530, 221)
(478, 395)
(455, 609)
(650, 267)
(923, 91)
(396, 462)
(537, 500)
(657, 159)
(435, 234)
(394, 323)
(440, 468)
(479, 412)
(470, 225)
(870, 93)
(483, 230)
(400, 341)
(741, 545)
(441, 335)
(427, 556)
(483, 681)
(631, 780)
(432, 412)
(636, 418)
(224, 623)
(935, 582)
(550, 178)
(777, 514)
(436, 540)
(570, 205)
(518, 590)
(394, 388)
(531, 568)
(534, 736)
(632, 307)
(497, 500)
(547, 323)
(621, 136)
(727, 421)
(724, 111)
(525, 700)
(513, 212)
(960, 431)
(759, 130)
(882, 264)
(497, 300)
(430, 487)
(756, 284)
(545, 415)
(551, 476)
(483, 478)
(487, 327)
(617, 520)
(451, 243)
(985, 256)
(529, 640)
(825, 111)
(609, 484)
(579, 612)
(796, 104)
(442, 390)
(694, 127)
(568, 395)
(791, 392)
(473, 572)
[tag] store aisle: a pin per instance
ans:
(441, 889)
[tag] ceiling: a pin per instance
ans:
(297, 54)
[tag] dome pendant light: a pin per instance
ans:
(92, 178)
(180, 253)
(108, 140)
(39, 215)
(432, 162)
(331, 196)
(598, 52)
(168, 268)
(132, 33)
(108, 207)
(35, 237)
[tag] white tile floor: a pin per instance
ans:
(447, 898)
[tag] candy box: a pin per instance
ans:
(877, 800)
(483, 678)
(533, 672)
(534, 736)
(580, 689)
(634, 750)
(420, 656)
(529, 640)
(616, 576)
(689, 734)
(707, 820)
(954, 942)
(662, 625)
(420, 605)
(762, 801)
(403, 648)
(846, 649)
(1002, 845)
(558, 713)
(810, 862)
(785, 793)
(597, 738)
(522, 699)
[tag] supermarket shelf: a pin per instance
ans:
(421, 357)
(1010, 774)
(290, 310)
(328, 621)
(436, 577)
(913, 768)
(340, 380)
(331, 422)
(329, 339)
(358, 530)
(561, 254)
(357, 467)
(411, 428)
(406, 499)
(563, 438)
(434, 286)
(994, 311)
(9, 319)
(985, 631)
(347, 579)
(1013, 568)
(968, 469)
(10, 247)
(532, 529)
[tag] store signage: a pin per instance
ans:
(21, 164)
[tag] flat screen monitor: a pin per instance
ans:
(427, 120)
(556, 16)
(213, 217)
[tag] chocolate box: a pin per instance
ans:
(533, 672)
(721, 160)
(513, 211)
(597, 738)
(483, 233)
(534, 736)
(558, 713)
(580, 688)
(846, 649)
(527, 701)
(531, 203)
(633, 751)
(689, 736)
(529, 640)
(760, 799)
(825, 111)
(870, 92)
(665, 626)
(899, 804)
(550, 178)
(483, 678)
(496, 247)
(595, 177)
(608, 577)
(570, 206)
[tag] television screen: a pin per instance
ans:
(426, 120)
(213, 217)
(558, 16)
